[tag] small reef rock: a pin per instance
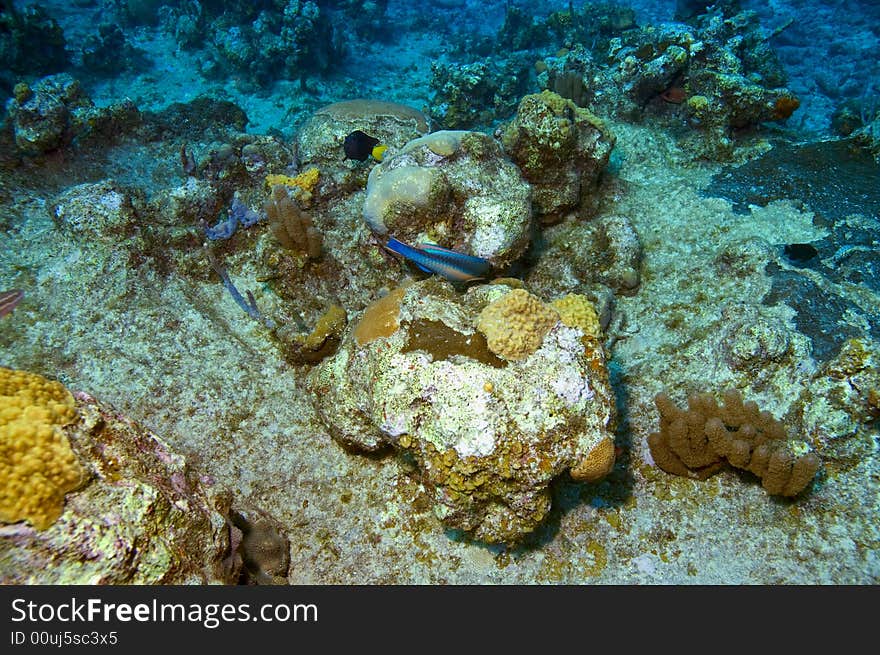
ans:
(117, 505)
(561, 149)
(456, 189)
(492, 394)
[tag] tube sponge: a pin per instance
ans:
(37, 465)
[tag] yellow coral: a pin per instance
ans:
(515, 325)
(597, 464)
(305, 180)
(330, 325)
(577, 311)
(37, 465)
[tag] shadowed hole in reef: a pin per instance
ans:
(841, 185)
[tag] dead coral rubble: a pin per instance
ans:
(696, 442)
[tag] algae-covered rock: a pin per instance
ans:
(41, 116)
(104, 212)
(561, 149)
(578, 254)
(456, 189)
(143, 516)
(488, 431)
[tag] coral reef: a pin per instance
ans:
(488, 435)
(455, 189)
(101, 212)
(579, 255)
(263, 41)
(31, 43)
(593, 23)
(37, 466)
(696, 442)
(720, 73)
(476, 95)
(41, 116)
(144, 517)
(560, 148)
(109, 51)
(55, 110)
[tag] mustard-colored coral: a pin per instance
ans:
(597, 464)
(577, 311)
(380, 319)
(37, 465)
(305, 180)
(515, 325)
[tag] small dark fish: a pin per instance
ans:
(452, 265)
(360, 145)
(8, 301)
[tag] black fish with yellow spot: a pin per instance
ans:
(360, 145)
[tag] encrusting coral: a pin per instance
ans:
(37, 465)
(321, 342)
(302, 185)
(696, 442)
(291, 225)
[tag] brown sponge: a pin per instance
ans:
(697, 442)
(291, 225)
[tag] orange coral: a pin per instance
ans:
(597, 464)
(380, 318)
(697, 441)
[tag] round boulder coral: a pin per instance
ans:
(456, 189)
(488, 434)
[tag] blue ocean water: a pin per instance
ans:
(705, 173)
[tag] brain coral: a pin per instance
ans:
(37, 465)
(456, 189)
(515, 324)
(319, 142)
(487, 434)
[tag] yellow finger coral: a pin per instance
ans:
(37, 465)
(515, 325)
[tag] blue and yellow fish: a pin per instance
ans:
(451, 264)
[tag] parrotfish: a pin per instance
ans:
(451, 264)
(360, 145)
(9, 299)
